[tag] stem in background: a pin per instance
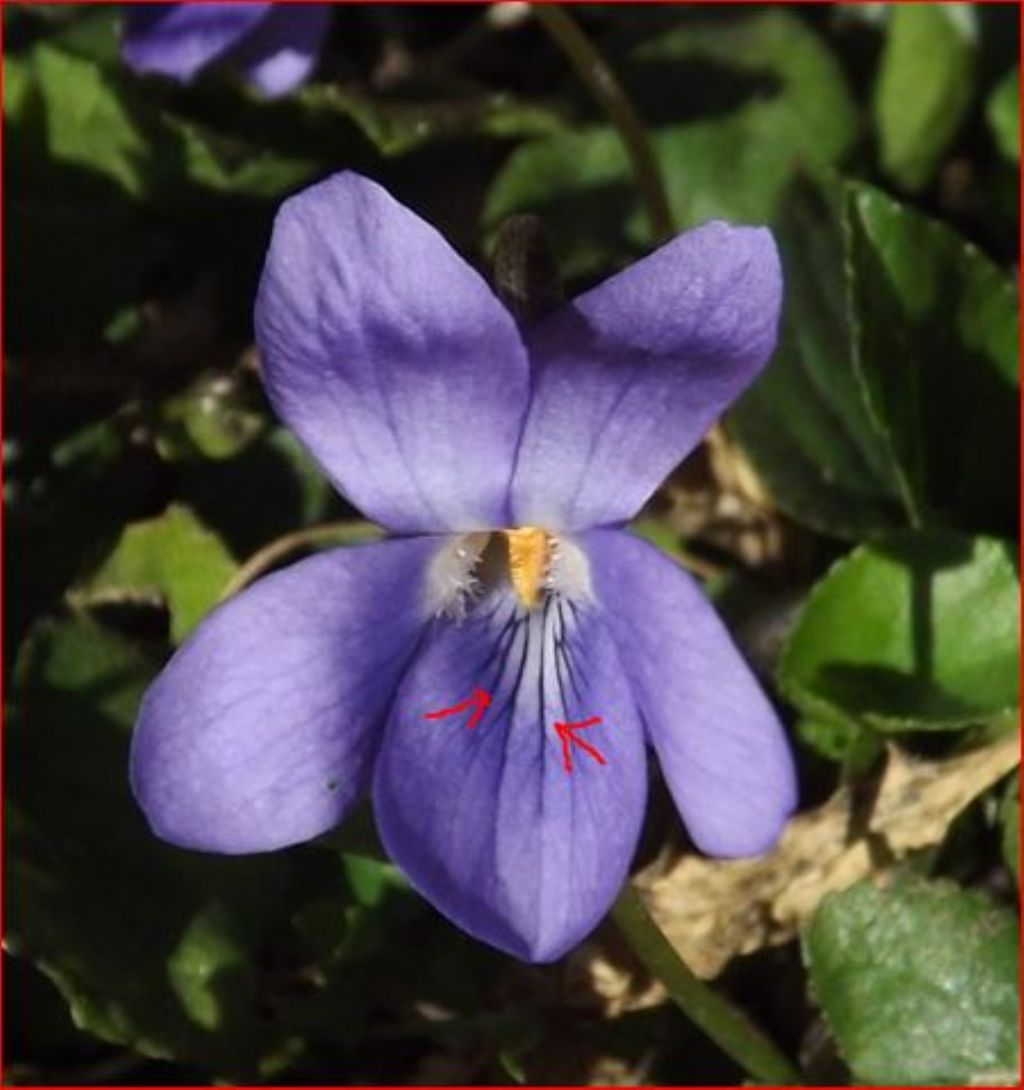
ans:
(727, 1026)
(349, 533)
(604, 85)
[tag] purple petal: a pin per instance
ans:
(720, 744)
(177, 40)
(631, 375)
(284, 48)
(261, 730)
(486, 822)
(391, 359)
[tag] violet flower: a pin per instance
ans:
(505, 460)
(275, 46)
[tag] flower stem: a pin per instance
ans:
(604, 85)
(353, 532)
(726, 1025)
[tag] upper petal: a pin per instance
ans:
(629, 376)
(487, 822)
(283, 50)
(720, 744)
(260, 731)
(391, 359)
(178, 40)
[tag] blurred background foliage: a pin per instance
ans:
(854, 517)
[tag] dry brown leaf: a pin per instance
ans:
(713, 910)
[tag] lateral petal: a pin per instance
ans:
(260, 732)
(720, 744)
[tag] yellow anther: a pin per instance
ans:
(527, 562)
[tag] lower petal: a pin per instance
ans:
(260, 732)
(718, 739)
(520, 835)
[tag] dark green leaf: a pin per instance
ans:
(396, 125)
(918, 983)
(152, 947)
(925, 85)
(915, 630)
(294, 492)
(841, 740)
(935, 335)
(73, 172)
(805, 423)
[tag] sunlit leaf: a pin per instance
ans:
(172, 557)
(911, 631)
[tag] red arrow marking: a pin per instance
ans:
(569, 739)
(479, 702)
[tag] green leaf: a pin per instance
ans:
(935, 339)
(918, 983)
(912, 631)
(399, 123)
(212, 417)
(88, 125)
(840, 740)
(74, 168)
(925, 85)
(152, 947)
(733, 165)
(1009, 816)
(804, 423)
(225, 164)
(172, 556)
(1003, 114)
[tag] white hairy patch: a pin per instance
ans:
(569, 571)
(452, 584)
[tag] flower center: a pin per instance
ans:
(529, 561)
(529, 554)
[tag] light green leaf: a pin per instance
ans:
(925, 85)
(935, 343)
(225, 164)
(912, 631)
(212, 417)
(173, 557)
(804, 423)
(918, 983)
(732, 166)
(87, 124)
(152, 947)
(1003, 114)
